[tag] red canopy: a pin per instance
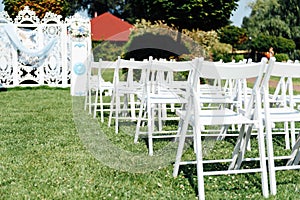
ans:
(110, 27)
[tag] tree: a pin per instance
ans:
(197, 14)
(101, 6)
(133, 10)
(274, 18)
(63, 7)
(280, 44)
(184, 14)
(233, 35)
(290, 12)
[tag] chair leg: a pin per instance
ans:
(244, 147)
(124, 110)
(182, 135)
(263, 165)
(237, 148)
(139, 121)
(112, 109)
(271, 164)
(297, 158)
(180, 123)
(150, 124)
(96, 104)
(295, 155)
(132, 106)
(287, 135)
(118, 101)
(86, 100)
(90, 102)
(159, 116)
(223, 132)
(101, 107)
(293, 132)
(199, 160)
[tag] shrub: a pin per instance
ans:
(158, 46)
(222, 51)
(205, 39)
(295, 55)
(107, 50)
(238, 57)
(281, 57)
(196, 42)
(280, 44)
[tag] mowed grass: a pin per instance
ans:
(43, 157)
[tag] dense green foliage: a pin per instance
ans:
(101, 6)
(157, 46)
(107, 50)
(262, 43)
(278, 18)
(296, 54)
(281, 57)
(187, 14)
(184, 14)
(148, 36)
(62, 7)
(233, 35)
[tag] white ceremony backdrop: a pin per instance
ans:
(48, 51)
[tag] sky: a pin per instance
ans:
(237, 18)
(242, 11)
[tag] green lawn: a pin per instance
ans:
(48, 150)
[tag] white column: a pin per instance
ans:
(79, 68)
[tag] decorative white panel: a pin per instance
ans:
(53, 68)
(6, 55)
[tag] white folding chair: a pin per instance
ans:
(91, 86)
(226, 93)
(104, 88)
(276, 99)
(285, 114)
(128, 84)
(162, 91)
(194, 116)
(281, 96)
(223, 91)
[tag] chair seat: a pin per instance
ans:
(106, 84)
(166, 97)
(216, 99)
(284, 114)
(296, 100)
(219, 117)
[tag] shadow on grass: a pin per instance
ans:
(2, 89)
(190, 172)
(24, 87)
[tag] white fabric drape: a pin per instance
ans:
(41, 53)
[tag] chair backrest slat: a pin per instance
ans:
(161, 74)
(216, 70)
(286, 69)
